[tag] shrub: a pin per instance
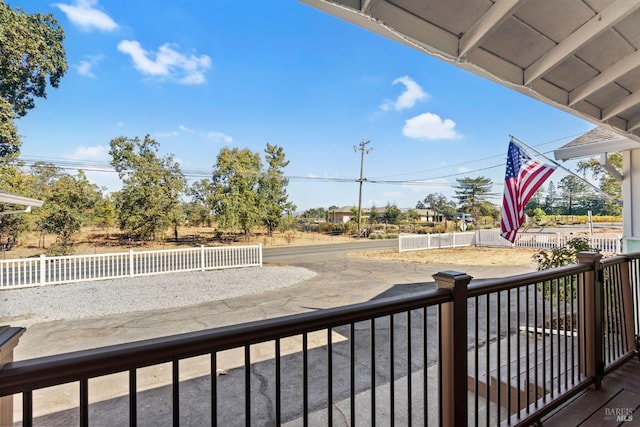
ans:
(558, 257)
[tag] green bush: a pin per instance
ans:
(558, 257)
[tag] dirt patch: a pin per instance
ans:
(467, 255)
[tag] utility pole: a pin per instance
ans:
(363, 150)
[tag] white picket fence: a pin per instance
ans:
(19, 273)
(607, 243)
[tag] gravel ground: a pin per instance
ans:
(116, 296)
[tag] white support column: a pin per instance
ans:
(631, 206)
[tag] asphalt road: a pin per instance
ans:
(310, 253)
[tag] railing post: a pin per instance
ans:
(43, 270)
(9, 337)
(454, 404)
(592, 309)
(627, 304)
(260, 253)
(202, 258)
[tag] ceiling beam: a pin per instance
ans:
(601, 22)
(620, 106)
(488, 22)
(609, 75)
(633, 124)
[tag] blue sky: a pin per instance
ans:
(200, 75)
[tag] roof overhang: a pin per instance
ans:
(14, 199)
(582, 56)
(596, 142)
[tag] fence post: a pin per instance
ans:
(43, 270)
(9, 337)
(592, 308)
(131, 263)
(260, 253)
(202, 258)
(453, 385)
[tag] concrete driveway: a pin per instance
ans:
(340, 280)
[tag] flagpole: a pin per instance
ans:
(525, 147)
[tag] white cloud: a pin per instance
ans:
(167, 62)
(83, 14)
(463, 169)
(166, 134)
(85, 67)
(220, 137)
(98, 152)
(429, 126)
(407, 99)
(185, 129)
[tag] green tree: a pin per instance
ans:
(573, 189)
(374, 215)
(149, 201)
(607, 183)
(472, 192)
(236, 178)
(203, 201)
(66, 208)
(272, 189)
(314, 213)
(391, 214)
(31, 56)
(105, 213)
(550, 198)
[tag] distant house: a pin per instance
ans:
(344, 214)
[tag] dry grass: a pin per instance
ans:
(468, 255)
(95, 240)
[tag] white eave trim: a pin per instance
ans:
(595, 149)
(14, 199)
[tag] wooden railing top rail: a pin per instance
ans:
(506, 283)
(59, 369)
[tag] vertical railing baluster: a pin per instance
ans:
(133, 398)
(27, 409)
(392, 399)
(84, 402)
(476, 359)
(329, 377)
(527, 304)
(535, 351)
(498, 358)
(509, 355)
(214, 387)
(247, 385)
(305, 381)
(425, 362)
(372, 351)
(409, 390)
(278, 385)
(487, 360)
(544, 339)
(175, 384)
(518, 351)
(352, 373)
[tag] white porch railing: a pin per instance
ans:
(18, 273)
(607, 243)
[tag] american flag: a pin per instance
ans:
(523, 177)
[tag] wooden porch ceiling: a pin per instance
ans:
(582, 56)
